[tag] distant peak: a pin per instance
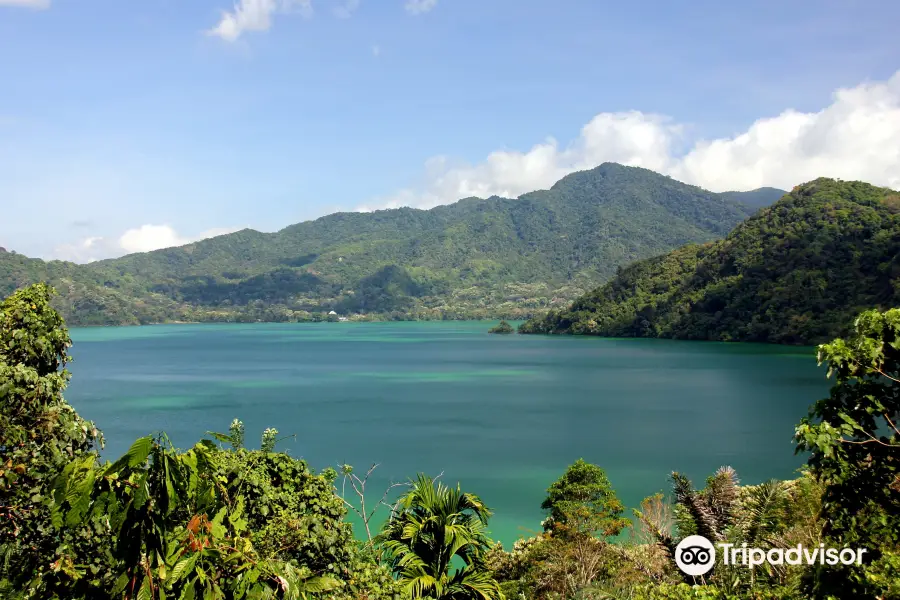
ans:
(609, 169)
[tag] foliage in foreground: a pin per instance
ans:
(40, 434)
(211, 522)
(854, 444)
(575, 558)
(222, 521)
(430, 526)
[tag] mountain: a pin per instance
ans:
(494, 257)
(795, 273)
(756, 199)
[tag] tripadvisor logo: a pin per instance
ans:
(695, 555)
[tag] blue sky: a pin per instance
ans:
(132, 125)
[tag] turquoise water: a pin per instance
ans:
(502, 415)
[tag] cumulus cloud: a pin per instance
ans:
(40, 4)
(256, 15)
(857, 136)
(418, 7)
(150, 237)
(139, 239)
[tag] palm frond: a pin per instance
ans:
(721, 495)
(430, 525)
(703, 516)
(764, 511)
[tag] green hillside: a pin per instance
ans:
(756, 199)
(797, 272)
(476, 258)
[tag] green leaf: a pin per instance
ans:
(220, 516)
(135, 456)
(81, 499)
(188, 592)
(139, 451)
(120, 584)
(222, 437)
(183, 567)
(141, 492)
(145, 593)
(322, 583)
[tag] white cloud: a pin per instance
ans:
(153, 237)
(346, 8)
(39, 4)
(418, 7)
(140, 239)
(856, 137)
(256, 15)
(150, 237)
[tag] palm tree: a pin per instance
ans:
(711, 511)
(432, 526)
(759, 515)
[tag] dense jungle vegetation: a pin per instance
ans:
(221, 520)
(477, 258)
(797, 272)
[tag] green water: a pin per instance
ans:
(503, 415)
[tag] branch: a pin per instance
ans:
(352, 507)
(871, 440)
(891, 423)
(385, 495)
(885, 375)
(876, 370)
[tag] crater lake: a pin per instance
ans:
(502, 415)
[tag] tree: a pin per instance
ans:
(583, 512)
(585, 496)
(709, 512)
(430, 526)
(854, 444)
(178, 524)
(502, 327)
(39, 431)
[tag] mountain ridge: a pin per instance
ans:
(491, 257)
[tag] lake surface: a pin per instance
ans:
(502, 415)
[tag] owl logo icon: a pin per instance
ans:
(695, 555)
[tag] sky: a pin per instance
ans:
(131, 126)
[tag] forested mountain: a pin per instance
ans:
(797, 272)
(494, 257)
(755, 199)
